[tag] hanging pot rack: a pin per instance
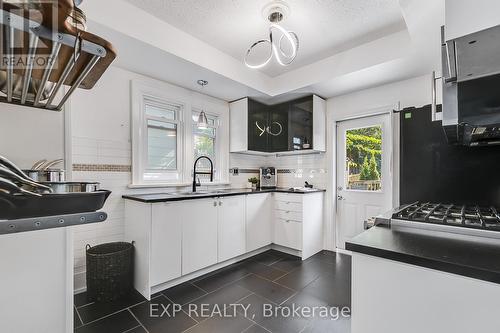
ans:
(77, 58)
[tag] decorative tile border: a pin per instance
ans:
(244, 170)
(102, 167)
(282, 171)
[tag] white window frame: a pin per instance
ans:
(176, 174)
(190, 102)
(143, 94)
(218, 177)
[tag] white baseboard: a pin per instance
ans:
(349, 253)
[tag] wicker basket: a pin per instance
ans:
(110, 271)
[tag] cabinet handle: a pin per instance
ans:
(220, 203)
(215, 203)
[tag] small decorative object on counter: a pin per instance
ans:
(306, 144)
(307, 185)
(255, 182)
(110, 271)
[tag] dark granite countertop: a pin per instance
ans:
(164, 197)
(471, 256)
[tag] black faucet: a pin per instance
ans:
(195, 173)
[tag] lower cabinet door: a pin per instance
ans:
(231, 227)
(166, 237)
(199, 234)
(288, 233)
(259, 221)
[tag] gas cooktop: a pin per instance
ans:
(470, 216)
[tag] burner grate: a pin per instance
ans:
(449, 214)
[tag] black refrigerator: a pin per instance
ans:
(431, 170)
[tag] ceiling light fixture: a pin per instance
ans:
(202, 118)
(275, 13)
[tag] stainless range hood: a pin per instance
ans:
(471, 81)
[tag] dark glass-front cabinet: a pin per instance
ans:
(300, 126)
(278, 127)
(258, 119)
(297, 125)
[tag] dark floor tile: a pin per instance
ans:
(303, 299)
(270, 290)
(98, 310)
(299, 278)
(76, 319)
(334, 289)
(267, 272)
(117, 323)
(341, 325)
(234, 324)
(218, 299)
(333, 258)
(221, 278)
(138, 329)
(281, 324)
(268, 257)
(151, 315)
(253, 307)
(256, 329)
(80, 299)
(288, 263)
(183, 293)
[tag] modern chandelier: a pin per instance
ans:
(279, 37)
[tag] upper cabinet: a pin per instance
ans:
(298, 125)
(464, 17)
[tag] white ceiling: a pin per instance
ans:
(324, 27)
(154, 47)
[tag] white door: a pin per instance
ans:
(259, 220)
(364, 175)
(166, 242)
(232, 236)
(199, 234)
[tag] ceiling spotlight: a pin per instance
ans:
(275, 13)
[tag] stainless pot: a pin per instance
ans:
(73, 187)
(50, 175)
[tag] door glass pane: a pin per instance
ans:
(364, 159)
(162, 145)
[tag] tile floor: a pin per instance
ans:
(273, 278)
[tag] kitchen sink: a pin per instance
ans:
(193, 193)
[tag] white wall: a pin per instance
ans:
(28, 135)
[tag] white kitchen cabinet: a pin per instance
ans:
(298, 222)
(231, 227)
(259, 216)
(288, 233)
(166, 242)
(199, 234)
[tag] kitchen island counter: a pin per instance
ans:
(424, 281)
(474, 257)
